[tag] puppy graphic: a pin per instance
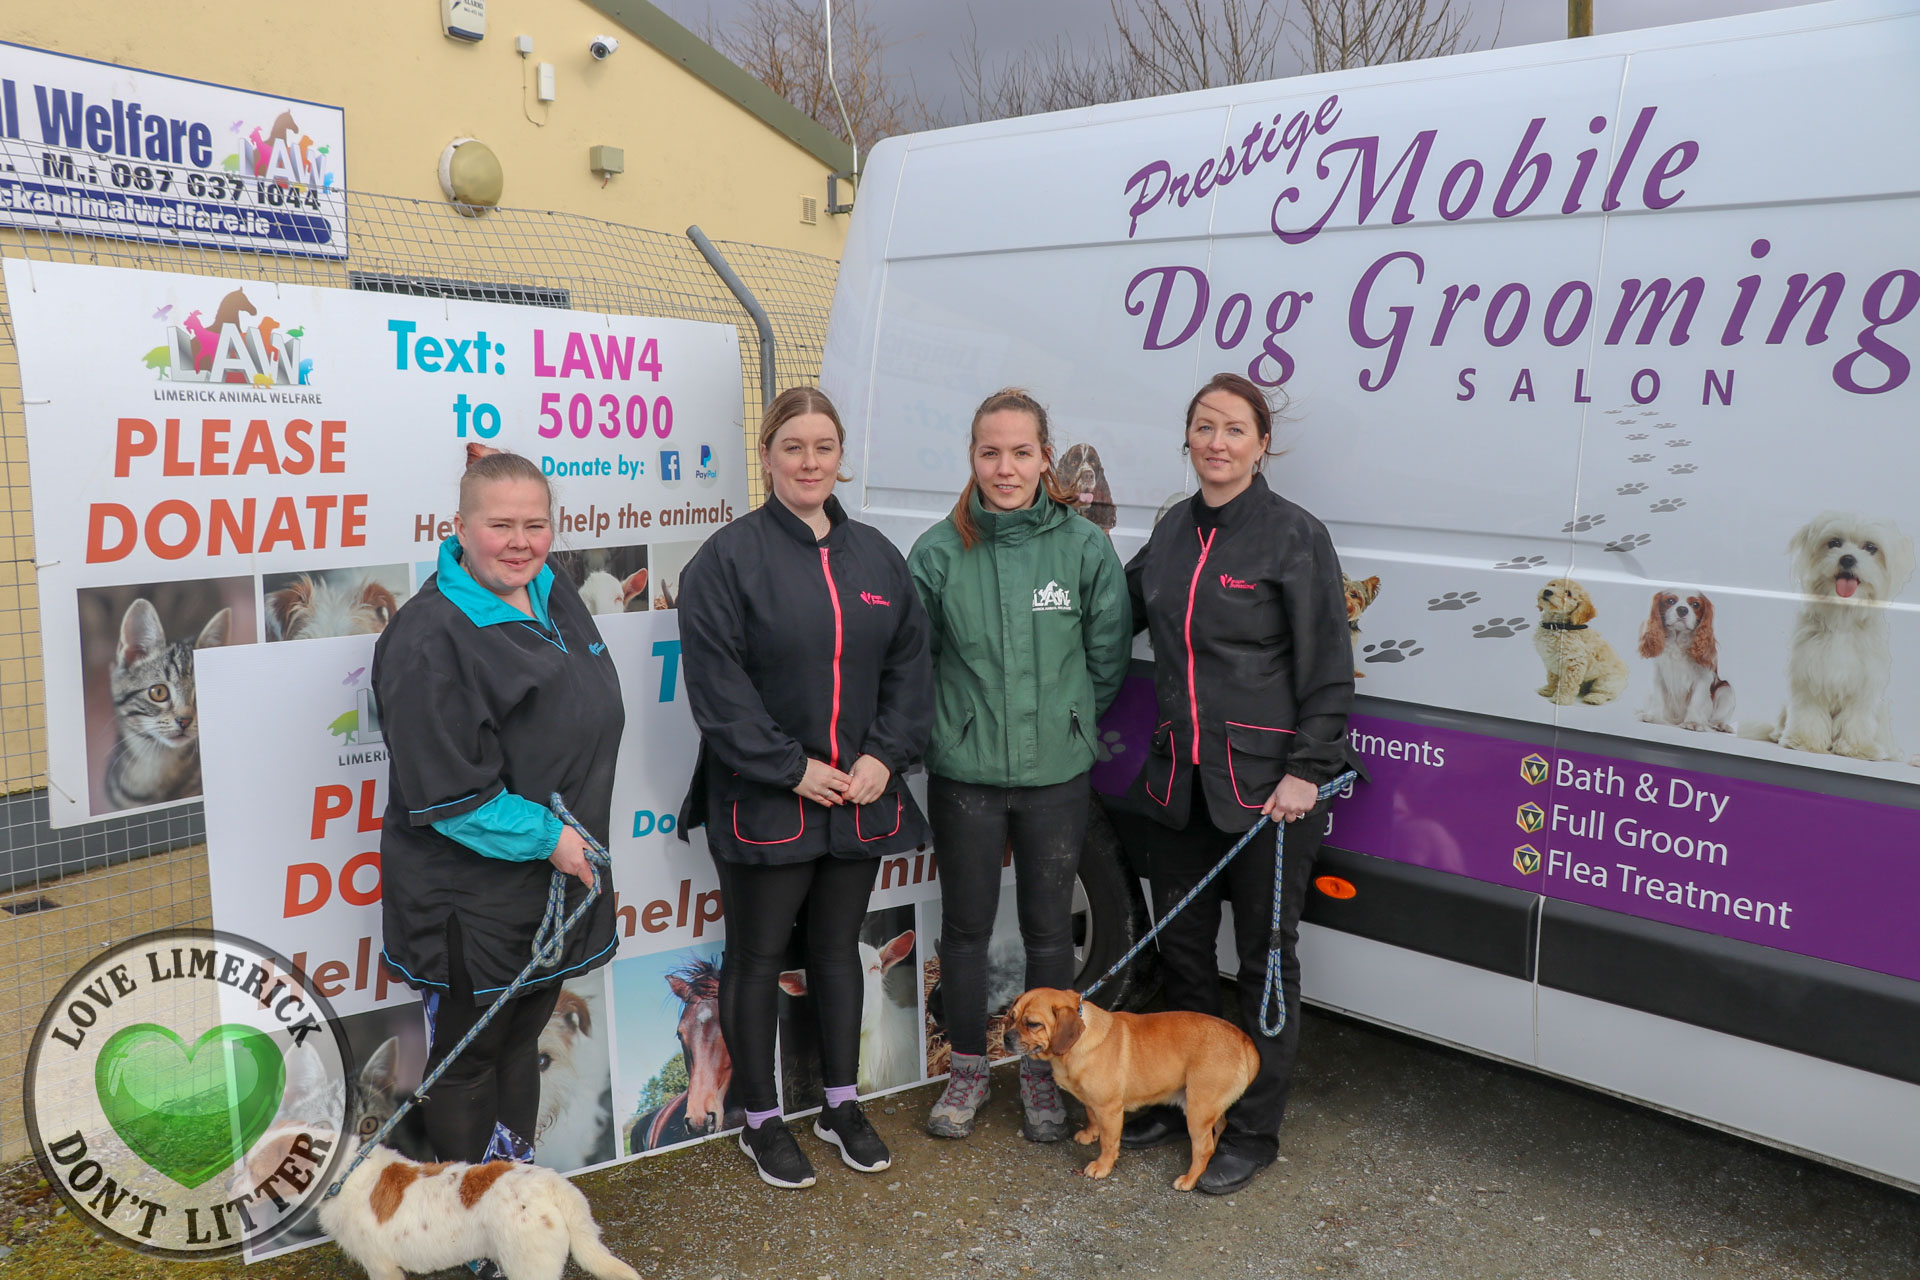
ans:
(1084, 477)
(1678, 636)
(1361, 592)
(574, 1120)
(1581, 665)
(1848, 567)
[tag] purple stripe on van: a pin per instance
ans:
(1807, 873)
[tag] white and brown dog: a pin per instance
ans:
(1678, 636)
(394, 1215)
(1849, 568)
(574, 1121)
(1581, 665)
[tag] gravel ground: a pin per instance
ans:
(1400, 1160)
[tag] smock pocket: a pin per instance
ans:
(766, 815)
(1256, 761)
(1158, 771)
(881, 818)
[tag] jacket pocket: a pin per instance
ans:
(1256, 761)
(881, 818)
(1160, 764)
(766, 815)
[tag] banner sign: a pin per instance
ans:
(1720, 854)
(92, 148)
(219, 462)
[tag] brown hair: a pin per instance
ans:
(1237, 385)
(797, 402)
(485, 466)
(1017, 399)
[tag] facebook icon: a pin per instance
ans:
(669, 464)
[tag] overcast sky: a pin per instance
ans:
(927, 33)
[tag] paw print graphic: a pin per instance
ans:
(1522, 562)
(1638, 435)
(1580, 524)
(1499, 628)
(1453, 600)
(1392, 651)
(1668, 504)
(1641, 457)
(1678, 444)
(1108, 745)
(1666, 426)
(1682, 469)
(1628, 490)
(1629, 542)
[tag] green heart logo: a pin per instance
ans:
(187, 1113)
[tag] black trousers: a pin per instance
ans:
(495, 1082)
(761, 906)
(1191, 966)
(972, 826)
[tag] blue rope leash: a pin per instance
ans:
(1272, 994)
(549, 944)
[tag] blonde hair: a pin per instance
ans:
(496, 465)
(1018, 400)
(797, 402)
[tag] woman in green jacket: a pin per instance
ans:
(1031, 635)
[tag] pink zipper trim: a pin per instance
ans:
(1266, 728)
(833, 725)
(1193, 696)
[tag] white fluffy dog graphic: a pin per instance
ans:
(1849, 568)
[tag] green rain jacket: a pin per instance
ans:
(1032, 630)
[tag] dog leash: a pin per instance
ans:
(549, 942)
(1272, 993)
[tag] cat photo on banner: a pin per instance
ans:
(136, 655)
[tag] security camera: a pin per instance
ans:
(602, 47)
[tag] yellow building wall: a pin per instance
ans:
(692, 154)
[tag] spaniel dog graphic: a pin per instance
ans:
(1687, 689)
(1848, 568)
(1581, 665)
(1083, 477)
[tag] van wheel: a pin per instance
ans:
(1109, 916)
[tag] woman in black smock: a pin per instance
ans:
(807, 669)
(1253, 676)
(495, 691)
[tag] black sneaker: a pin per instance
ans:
(776, 1155)
(847, 1128)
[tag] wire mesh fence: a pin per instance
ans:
(65, 894)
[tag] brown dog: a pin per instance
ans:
(1119, 1062)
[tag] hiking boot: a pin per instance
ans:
(1046, 1113)
(776, 1155)
(847, 1128)
(966, 1093)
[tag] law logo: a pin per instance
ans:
(1526, 859)
(1531, 817)
(1533, 768)
(669, 465)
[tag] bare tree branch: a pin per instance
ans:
(784, 44)
(1333, 35)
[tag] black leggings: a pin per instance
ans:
(762, 905)
(972, 826)
(496, 1080)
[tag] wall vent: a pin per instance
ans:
(809, 210)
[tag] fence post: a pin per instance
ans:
(759, 313)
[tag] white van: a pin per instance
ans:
(1641, 312)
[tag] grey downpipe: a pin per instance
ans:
(759, 313)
